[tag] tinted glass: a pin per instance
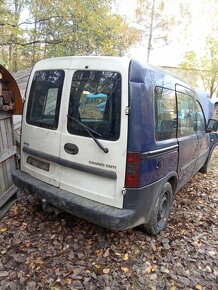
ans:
(186, 114)
(165, 114)
(95, 100)
(44, 99)
(200, 119)
(215, 112)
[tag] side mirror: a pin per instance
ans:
(212, 125)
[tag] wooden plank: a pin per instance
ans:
(3, 148)
(2, 180)
(5, 174)
(1, 138)
(8, 194)
(9, 172)
(6, 164)
(4, 115)
(9, 132)
(7, 157)
(7, 150)
(3, 135)
(11, 143)
(12, 193)
(6, 154)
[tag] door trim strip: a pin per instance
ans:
(74, 165)
(161, 151)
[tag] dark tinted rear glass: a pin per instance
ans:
(95, 101)
(165, 113)
(44, 99)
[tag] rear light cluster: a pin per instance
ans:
(133, 169)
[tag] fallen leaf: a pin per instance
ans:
(107, 253)
(89, 242)
(148, 269)
(106, 271)
(152, 258)
(68, 280)
(2, 230)
(99, 253)
(117, 254)
(125, 269)
(97, 266)
(154, 248)
(126, 257)
(4, 274)
(88, 271)
(198, 287)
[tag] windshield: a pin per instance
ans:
(95, 101)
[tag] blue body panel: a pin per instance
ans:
(178, 157)
(141, 137)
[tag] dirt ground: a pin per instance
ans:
(213, 165)
(39, 251)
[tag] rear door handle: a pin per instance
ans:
(71, 148)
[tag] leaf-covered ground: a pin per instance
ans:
(39, 251)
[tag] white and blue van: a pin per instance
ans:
(110, 140)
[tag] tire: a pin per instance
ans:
(203, 169)
(161, 211)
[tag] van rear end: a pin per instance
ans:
(74, 137)
(110, 140)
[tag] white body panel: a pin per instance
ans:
(98, 188)
(39, 139)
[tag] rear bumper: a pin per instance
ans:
(137, 206)
(103, 215)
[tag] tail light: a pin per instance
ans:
(132, 170)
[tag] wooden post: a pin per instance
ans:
(8, 191)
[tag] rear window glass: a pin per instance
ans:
(95, 101)
(165, 114)
(186, 114)
(44, 99)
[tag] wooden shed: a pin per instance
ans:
(10, 104)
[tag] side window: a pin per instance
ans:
(44, 99)
(165, 114)
(200, 119)
(215, 112)
(186, 114)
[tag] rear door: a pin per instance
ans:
(203, 137)
(94, 137)
(41, 129)
(187, 137)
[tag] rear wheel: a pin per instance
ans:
(161, 211)
(203, 169)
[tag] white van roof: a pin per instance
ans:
(76, 62)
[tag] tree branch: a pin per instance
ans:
(31, 22)
(40, 20)
(33, 42)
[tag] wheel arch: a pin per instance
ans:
(173, 182)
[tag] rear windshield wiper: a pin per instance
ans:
(89, 130)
